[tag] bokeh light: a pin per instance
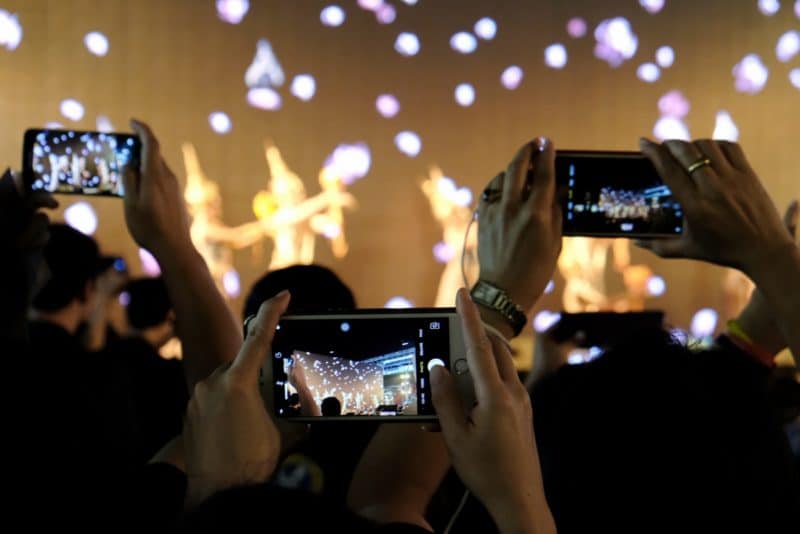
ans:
(332, 15)
(82, 217)
(648, 72)
(616, 41)
(652, 6)
(460, 196)
(370, 5)
(220, 122)
(486, 28)
(231, 284)
(544, 320)
(350, 162)
(704, 323)
(750, 74)
(387, 105)
(264, 98)
(463, 42)
(385, 14)
(10, 30)
(232, 11)
(665, 56)
(555, 56)
(303, 87)
(103, 124)
(464, 94)
(149, 264)
(794, 77)
(674, 104)
(550, 287)
(576, 27)
(72, 109)
(769, 7)
(443, 252)
(671, 128)
(656, 286)
(96, 43)
(398, 303)
(408, 143)
(788, 45)
(511, 77)
(265, 69)
(724, 127)
(407, 44)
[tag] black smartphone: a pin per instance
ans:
(615, 194)
(362, 365)
(78, 163)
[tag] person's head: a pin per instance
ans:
(294, 400)
(313, 288)
(149, 310)
(73, 262)
(331, 407)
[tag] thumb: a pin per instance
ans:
(447, 401)
(260, 332)
(130, 181)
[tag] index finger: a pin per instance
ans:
(543, 187)
(670, 171)
(515, 176)
(151, 152)
(260, 332)
(481, 361)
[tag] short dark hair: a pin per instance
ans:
(331, 407)
(148, 303)
(313, 288)
(73, 259)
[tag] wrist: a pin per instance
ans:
(518, 515)
(780, 258)
(496, 320)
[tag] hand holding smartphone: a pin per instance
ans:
(615, 194)
(78, 162)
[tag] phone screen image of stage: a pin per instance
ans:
(616, 196)
(81, 162)
(357, 366)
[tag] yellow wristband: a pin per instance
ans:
(736, 330)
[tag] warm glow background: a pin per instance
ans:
(172, 62)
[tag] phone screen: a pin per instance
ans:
(82, 163)
(615, 194)
(360, 365)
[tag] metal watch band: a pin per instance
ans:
(496, 299)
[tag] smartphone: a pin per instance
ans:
(78, 163)
(615, 194)
(362, 365)
(595, 332)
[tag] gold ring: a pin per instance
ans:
(702, 162)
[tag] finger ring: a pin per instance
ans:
(490, 195)
(702, 162)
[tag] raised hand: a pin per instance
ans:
(492, 444)
(229, 437)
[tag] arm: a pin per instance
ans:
(731, 221)
(297, 378)
(157, 220)
(107, 286)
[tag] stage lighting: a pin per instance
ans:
(551, 285)
(53, 125)
(81, 216)
(665, 56)
(443, 252)
(370, 5)
(407, 44)
(124, 299)
(794, 77)
(750, 74)
(671, 128)
(797, 9)
(511, 77)
(576, 27)
(350, 162)
(72, 109)
(465, 94)
(304, 87)
(648, 72)
(410, 2)
(265, 69)
(149, 264)
(96, 43)
(344, 327)
(788, 45)
(652, 6)
(264, 98)
(387, 105)
(103, 124)
(674, 104)
(725, 129)
(232, 11)
(332, 16)
(220, 122)
(544, 320)
(769, 7)
(408, 143)
(463, 42)
(486, 28)
(656, 286)
(231, 284)
(398, 303)
(10, 30)
(385, 14)
(704, 323)
(616, 41)
(555, 56)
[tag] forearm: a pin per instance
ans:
(778, 278)
(95, 336)
(527, 513)
(209, 333)
(308, 406)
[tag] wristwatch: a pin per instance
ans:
(496, 299)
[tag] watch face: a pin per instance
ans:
(485, 291)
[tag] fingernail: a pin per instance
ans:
(542, 143)
(282, 294)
